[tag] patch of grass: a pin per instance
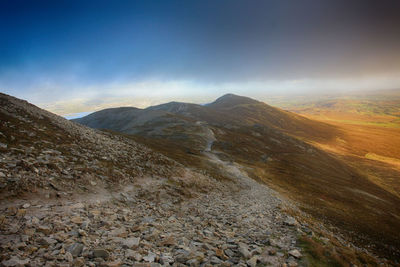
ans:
(315, 254)
(371, 123)
(383, 158)
(318, 254)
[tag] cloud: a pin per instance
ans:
(152, 92)
(92, 52)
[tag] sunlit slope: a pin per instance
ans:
(368, 133)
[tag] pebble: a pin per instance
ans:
(150, 257)
(253, 261)
(75, 249)
(101, 253)
(131, 242)
(295, 253)
(290, 221)
(244, 250)
(15, 261)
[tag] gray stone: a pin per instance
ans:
(132, 242)
(69, 257)
(253, 261)
(182, 256)
(193, 263)
(269, 260)
(244, 250)
(151, 257)
(295, 253)
(215, 260)
(75, 249)
(292, 263)
(130, 254)
(290, 221)
(229, 252)
(101, 253)
(44, 229)
(46, 241)
(15, 261)
(166, 259)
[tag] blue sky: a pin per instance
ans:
(78, 56)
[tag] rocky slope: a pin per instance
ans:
(73, 196)
(40, 149)
(151, 224)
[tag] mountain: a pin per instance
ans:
(231, 100)
(229, 110)
(75, 196)
(279, 148)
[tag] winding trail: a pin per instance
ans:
(155, 222)
(255, 210)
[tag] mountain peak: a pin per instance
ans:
(230, 100)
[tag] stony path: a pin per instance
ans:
(151, 225)
(252, 225)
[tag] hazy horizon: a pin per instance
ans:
(81, 56)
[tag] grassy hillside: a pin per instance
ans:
(377, 108)
(312, 162)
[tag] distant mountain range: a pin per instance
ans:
(227, 111)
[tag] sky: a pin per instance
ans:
(79, 56)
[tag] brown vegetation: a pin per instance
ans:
(311, 162)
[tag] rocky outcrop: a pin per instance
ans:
(42, 150)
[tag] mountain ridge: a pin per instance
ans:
(284, 150)
(228, 107)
